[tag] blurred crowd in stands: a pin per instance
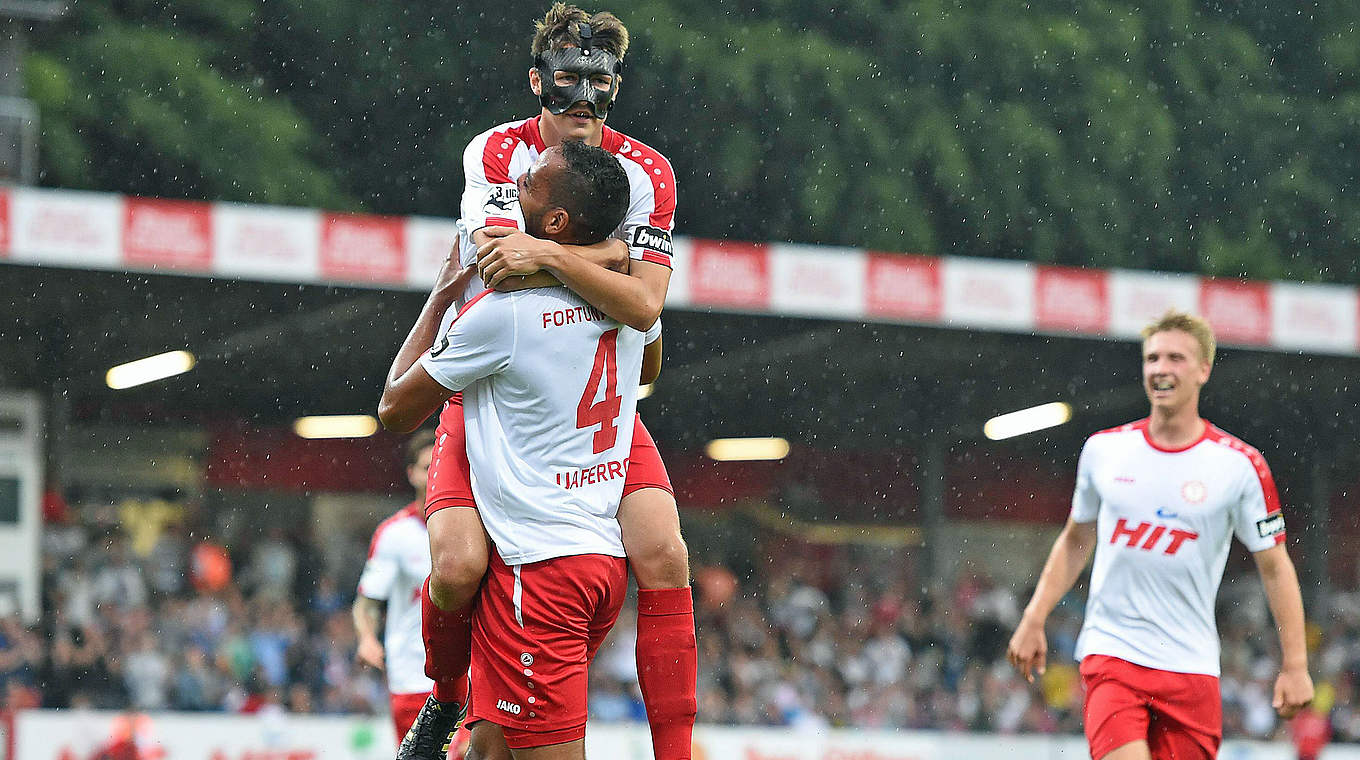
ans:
(169, 621)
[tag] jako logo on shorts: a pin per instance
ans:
(507, 706)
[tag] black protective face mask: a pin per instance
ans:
(585, 62)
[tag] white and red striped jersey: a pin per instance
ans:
(398, 563)
(549, 393)
(497, 157)
(1165, 520)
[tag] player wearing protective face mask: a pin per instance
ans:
(576, 75)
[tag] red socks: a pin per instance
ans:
(668, 666)
(448, 647)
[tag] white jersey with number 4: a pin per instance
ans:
(398, 563)
(1165, 520)
(549, 394)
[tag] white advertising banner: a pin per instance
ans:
(1137, 298)
(1315, 317)
(981, 292)
(817, 281)
(267, 242)
(66, 228)
(429, 241)
(76, 735)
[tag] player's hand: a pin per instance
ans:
(511, 253)
(370, 652)
(1028, 650)
(1293, 692)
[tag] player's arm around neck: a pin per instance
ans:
(634, 298)
(1028, 650)
(410, 395)
(1294, 687)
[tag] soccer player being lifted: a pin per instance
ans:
(576, 75)
(1159, 501)
(548, 490)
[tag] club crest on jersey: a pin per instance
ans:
(653, 238)
(501, 198)
(1193, 492)
(1270, 525)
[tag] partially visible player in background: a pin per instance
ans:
(398, 564)
(1159, 501)
(576, 76)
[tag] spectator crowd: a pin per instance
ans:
(170, 622)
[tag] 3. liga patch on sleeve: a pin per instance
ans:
(501, 198)
(1270, 525)
(654, 238)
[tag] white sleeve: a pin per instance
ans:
(490, 199)
(1085, 496)
(652, 333)
(381, 569)
(650, 220)
(1258, 520)
(479, 342)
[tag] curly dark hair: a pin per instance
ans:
(594, 191)
(558, 28)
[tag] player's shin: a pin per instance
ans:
(448, 647)
(667, 659)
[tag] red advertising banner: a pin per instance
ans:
(170, 234)
(730, 274)
(904, 287)
(363, 248)
(1238, 310)
(1071, 299)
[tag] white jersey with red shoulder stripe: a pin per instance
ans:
(549, 393)
(398, 563)
(1165, 521)
(497, 157)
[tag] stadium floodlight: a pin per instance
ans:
(149, 370)
(747, 449)
(1027, 421)
(644, 391)
(336, 426)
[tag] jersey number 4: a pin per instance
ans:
(604, 412)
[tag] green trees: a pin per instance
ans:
(1169, 134)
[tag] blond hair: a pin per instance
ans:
(1198, 327)
(559, 27)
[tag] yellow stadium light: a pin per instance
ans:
(747, 449)
(336, 426)
(644, 391)
(150, 369)
(1027, 420)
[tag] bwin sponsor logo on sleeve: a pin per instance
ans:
(653, 238)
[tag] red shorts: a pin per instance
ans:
(450, 482)
(405, 708)
(535, 629)
(1180, 715)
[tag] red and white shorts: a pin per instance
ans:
(450, 482)
(405, 708)
(535, 629)
(1180, 715)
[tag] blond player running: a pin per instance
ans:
(1159, 501)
